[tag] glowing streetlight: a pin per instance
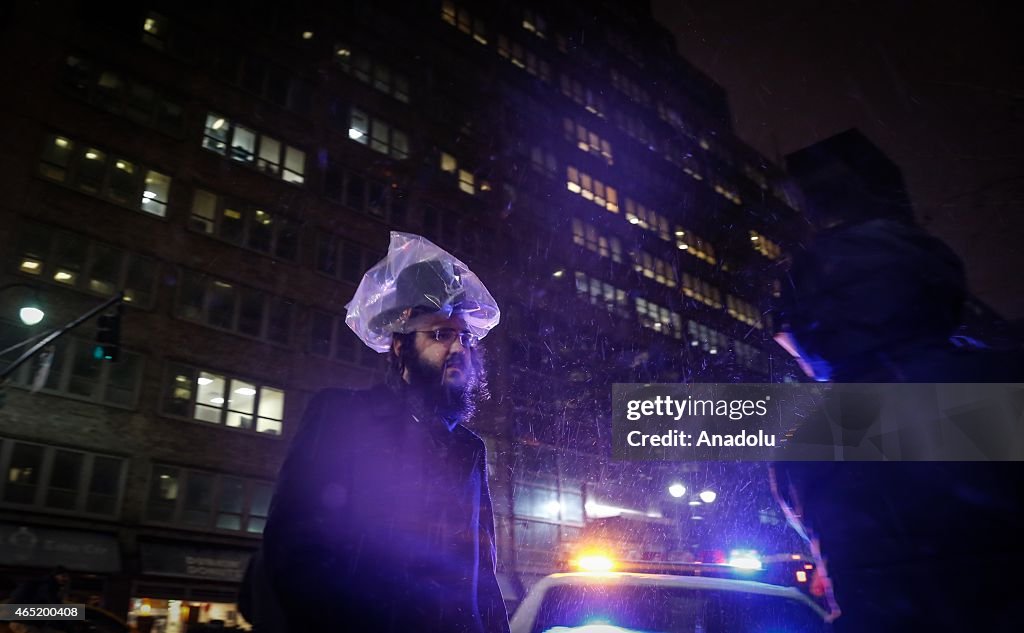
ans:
(31, 314)
(708, 496)
(677, 490)
(30, 311)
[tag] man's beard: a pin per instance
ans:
(452, 402)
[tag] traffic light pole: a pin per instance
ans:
(56, 334)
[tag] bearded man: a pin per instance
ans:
(381, 520)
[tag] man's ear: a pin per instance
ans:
(396, 346)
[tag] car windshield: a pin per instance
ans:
(633, 609)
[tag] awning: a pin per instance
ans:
(31, 546)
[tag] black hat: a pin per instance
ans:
(432, 286)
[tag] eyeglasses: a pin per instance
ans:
(448, 335)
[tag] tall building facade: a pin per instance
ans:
(234, 172)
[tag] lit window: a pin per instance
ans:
(466, 182)
(448, 11)
(271, 411)
(270, 156)
(30, 266)
(154, 30)
(243, 144)
(294, 165)
(215, 136)
(56, 158)
(91, 170)
(359, 126)
(122, 183)
(155, 193)
(448, 162)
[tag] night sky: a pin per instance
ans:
(938, 88)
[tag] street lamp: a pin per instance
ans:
(677, 490)
(708, 496)
(30, 313)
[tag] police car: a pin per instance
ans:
(609, 596)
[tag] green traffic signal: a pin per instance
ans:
(108, 336)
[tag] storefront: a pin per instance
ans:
(183, 585)
(28, 552)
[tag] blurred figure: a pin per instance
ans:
(907, 545)
(50, 589)
(381, 520)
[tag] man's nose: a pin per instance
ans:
(457, 347)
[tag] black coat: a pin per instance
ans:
(381, 522)
(930, 546)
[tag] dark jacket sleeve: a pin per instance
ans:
(492, 605)
(304, 540)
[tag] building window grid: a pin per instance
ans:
(590, 100)
(248, 146)
(117, 94)
(635, 128)
(535, 23)
(756, 176)
(673, 118)
(76, 373)
(705, 338)
(728, 192)
(743, 312)
(750, 356)
(689, 243)
(58, 479)
(72, 260)
(372, 72)
(104, 175)
(524, 58)
(244, 224)
(586, 235)
(342, 259)
(234, 308)
(765, 246)
(271, 81)
(654, 268)
(629, 88)
(587, 141)
(647, 219)
(694, 287)
(543, 161)
(584, 185)
(330, 337)
(378, 199)
(601, 293)
(208, 501)
(223, 399)
(659, 318)
(377, 134)
(460, 18)
(465, 179)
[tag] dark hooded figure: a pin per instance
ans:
(381, 519)
(908, 546)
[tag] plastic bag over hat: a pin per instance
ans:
(417, 274)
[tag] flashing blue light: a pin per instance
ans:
(745, 559)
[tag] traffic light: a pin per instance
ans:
(108, 336)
